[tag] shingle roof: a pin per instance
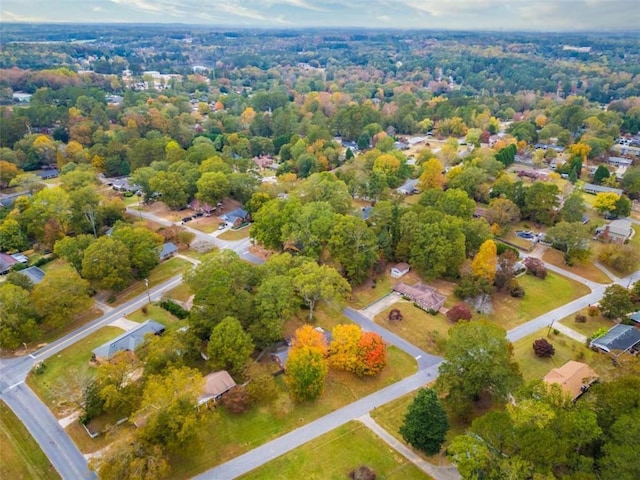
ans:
(168, 248)
(572, 377)
(215, 384)
(620, 337)
(129, 340)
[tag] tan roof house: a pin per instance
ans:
(216, 384)
(424, 296)
(573, 377)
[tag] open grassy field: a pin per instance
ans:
(61, 368)
(534, 368)
(590, 326)
(540, 297)
(417, 326)
(234, 235)
(181, 293)
(159, 314)
(584, 269)
(20, 456)
(233, 435)
(335, 454)
(162, 273)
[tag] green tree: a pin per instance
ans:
(456, 202)
(572, 239)
(106, 264)
(132, 459)
(478, 360)
(502, 212)
(18, 318)
(616, 302)
(61, 295)
(230, 347)
(171, 420)
(306, 372)
(540, 202)
(315, 283)
(172, 187)
(212, 187)
(631, 182)
(12, 238)
(600, 174)
(425, 423)
(72, 249)
(354, 246)
(143, 246)
(573, 208)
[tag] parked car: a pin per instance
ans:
(222, 226)
(186, 219)
(198, 215)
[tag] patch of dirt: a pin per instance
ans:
(260, 252)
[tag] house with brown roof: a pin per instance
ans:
(400, 270)
(216, 384)
(424, 296)
(573, 377)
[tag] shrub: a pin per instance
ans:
(536, 267)
(174, 309)
(236, 400)
(459, 312)
(515, 289)
(593, 311)
(395, 315)
(362, 473)
(543, 348)
(579, 318)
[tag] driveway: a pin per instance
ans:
(381, 305)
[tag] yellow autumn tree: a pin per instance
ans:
(432, 176)
(606, 201)
(343, 350)
(580, 150)
(486, 261)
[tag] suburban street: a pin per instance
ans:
(71, 464)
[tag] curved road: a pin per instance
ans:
(71, 464)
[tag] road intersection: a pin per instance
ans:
(72, 465)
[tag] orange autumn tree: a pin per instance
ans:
(372, 354)
(306, 368)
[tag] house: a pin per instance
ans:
(6, 262)
(618, 231)
(35, 274)
(236, 218)
(20, 257)
(596, 189)
(622, 338)
(424, 296)
(203, 207)
(123, 185)
(128, 341)
(401, 145)
(635, 317)
(400, 270)
(216, 384)
(169, 249)
(48, 174)
(409, 187)
(573, 377)
(620, 161)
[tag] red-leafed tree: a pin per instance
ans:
(460, 312)
(372, 354)
(543, 348)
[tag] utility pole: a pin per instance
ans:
(550, 326)
(146, 282)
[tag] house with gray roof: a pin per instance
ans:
(621, 338)
(35, 274)
(409, 187)
(128, 341)
(596, 189)
(616, 231)
(169, 249)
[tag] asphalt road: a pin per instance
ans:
(71, 464)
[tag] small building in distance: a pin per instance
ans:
(400, 270)
(596, 189)
(128, 341)
(573, 377)
(169, 249)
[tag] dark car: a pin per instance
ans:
(198, 215)
(186, 219)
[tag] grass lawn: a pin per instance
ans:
(64, 364)
(234, 235)
(635, 239)
(366, 294)
(590, 326)
(205, 227)
(161, 273)
(159, 314)
(515, 240)
(585, 269)
(417, 326)
(196, 254)
(236, 434)
(540, 297)
(181, 293)
(347, 447)
(534, 368)
(20, 456)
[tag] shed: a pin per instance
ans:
(622, 338)
(216, 384)
(573, 377)
(128, 341)
(400, 270)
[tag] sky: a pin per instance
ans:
(542, 15)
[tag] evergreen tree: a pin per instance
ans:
(425, 423)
